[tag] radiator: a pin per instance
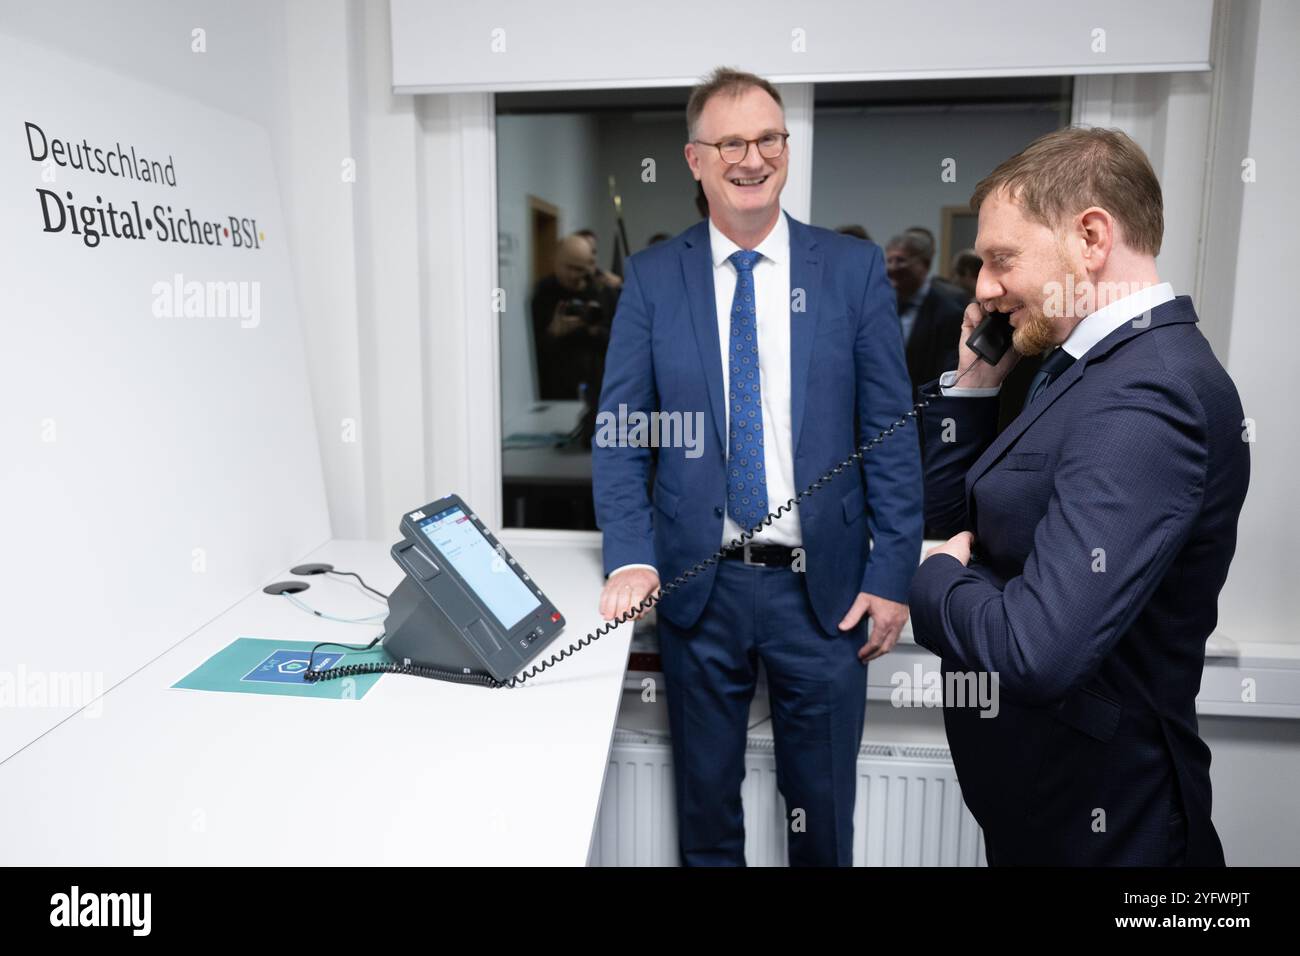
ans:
(909, 810)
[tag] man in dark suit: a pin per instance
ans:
(781, 338)
(1094, 534)
(929, 316)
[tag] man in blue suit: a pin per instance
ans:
(1092, 535)
(784, 341)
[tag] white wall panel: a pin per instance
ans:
(520, 45)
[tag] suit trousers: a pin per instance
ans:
(817, 688)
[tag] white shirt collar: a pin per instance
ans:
(1108, 318)
(775, 245)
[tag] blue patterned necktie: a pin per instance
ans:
(1055, 363)
(746, 476)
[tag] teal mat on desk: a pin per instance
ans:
(251, 665)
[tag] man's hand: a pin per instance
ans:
(563, 323)
(982, 374)
(626, 589)
(887, 620)
(959, 546)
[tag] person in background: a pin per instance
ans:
(951, 289)
(857, 232)
(602, 276)
(657, 238)
(928, 316)
(926, 236)
(571, 315)
(965, 270)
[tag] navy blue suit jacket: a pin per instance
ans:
(848, 383)
(1105, 519)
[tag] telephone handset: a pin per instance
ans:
(992, 337)
(990, 341)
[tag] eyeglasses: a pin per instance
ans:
(735, 149)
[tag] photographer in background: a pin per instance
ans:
(602, 277)
(572, 313)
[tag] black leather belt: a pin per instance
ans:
(763, 555)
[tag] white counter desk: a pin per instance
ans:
(416, 772)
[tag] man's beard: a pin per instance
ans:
(1036, 334)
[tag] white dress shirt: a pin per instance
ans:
(772, 310)
(908, 313)
(772, 307)
(1090, 330)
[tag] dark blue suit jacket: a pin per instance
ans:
(1105, 519)
(848, 383)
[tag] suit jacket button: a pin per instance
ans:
(717, 512)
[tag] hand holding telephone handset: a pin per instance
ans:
(987, 336)
(992, 337)
(989, 342)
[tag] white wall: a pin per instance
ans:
(1169, 115)
(299, 69)
(182, 469)
(243, 70)
(382, 255)
(442, 48)
(1260, 600)
(324, 210)
(1255, 774)
(316, 74)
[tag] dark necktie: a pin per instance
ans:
(1057, 361)
(746, 472)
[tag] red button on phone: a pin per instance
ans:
(555, 617)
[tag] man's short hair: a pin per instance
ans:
(724, 80)
(928, 236)
(1064, 172)
(967, 263)
(913, 244)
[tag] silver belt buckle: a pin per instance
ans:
(752, 564)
